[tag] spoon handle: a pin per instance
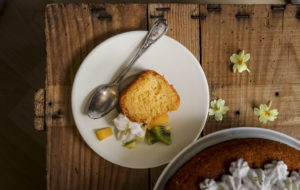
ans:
(159, 28)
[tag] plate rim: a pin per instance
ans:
(262, 133)
(91, 54)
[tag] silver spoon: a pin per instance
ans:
(106, 96)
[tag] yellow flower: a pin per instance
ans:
(265, 114)
(218, 109)
(239, 61)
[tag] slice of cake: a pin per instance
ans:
(149, 97)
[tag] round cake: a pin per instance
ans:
(214, 162)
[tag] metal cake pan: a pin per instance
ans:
(218, 137)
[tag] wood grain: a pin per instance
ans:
(39, 110)
(182, 28)
(72, 30)
(272, 38)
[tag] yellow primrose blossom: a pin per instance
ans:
(239, 61)
(218, 109)
(265, 114)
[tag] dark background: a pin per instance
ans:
(22, 72)
(22, 66)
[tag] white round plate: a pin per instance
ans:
(167, 57)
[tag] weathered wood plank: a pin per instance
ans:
(39, 110)
(72, 30)
(182, 28)
(271, 37)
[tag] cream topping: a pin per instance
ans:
(128, 130)
(274, 176)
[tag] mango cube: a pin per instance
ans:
(161, 120)
(104, 133)
(141, 139)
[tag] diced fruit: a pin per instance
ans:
(127, 129)
(150, 137)
(159, 133)
(141, 139)
(161, 120)
(168, 128)
(162, 134)
(130, 144)
(104, 133)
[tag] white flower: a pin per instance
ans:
(265, 114)
(218, 109)
(239, 61)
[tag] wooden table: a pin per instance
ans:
(212, 33)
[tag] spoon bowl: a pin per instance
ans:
(103, 100)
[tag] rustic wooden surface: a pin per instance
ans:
(71, 32)
(212, 33)
(272, 38)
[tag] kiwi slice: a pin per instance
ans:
(150, 137)
(130, 144)
(162, 134)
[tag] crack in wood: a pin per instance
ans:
(278, 7)
(105, 16)
(213, 9)
(163, 9)
(198, 16)
(97, 9)
(239, 16)
(156, 16)
(298, 14)
(55, 116)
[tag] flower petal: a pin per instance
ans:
(242, 67)
(272, 118)
(247, 57)
(225, 109)
(257, 111)
(263, 119)
(220, 102)
(213, 103)
(211, 111)
(218, 116)
(274, 112)
(234, 68)
(269, 104)
(263, 107)
(234, 58)
(241, 53)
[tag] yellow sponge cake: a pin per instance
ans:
(148, 97)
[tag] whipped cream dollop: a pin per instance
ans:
(274, 176)
(128, 130)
